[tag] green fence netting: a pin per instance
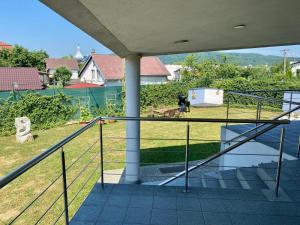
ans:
(92, 98)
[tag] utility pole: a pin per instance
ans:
(284, 52)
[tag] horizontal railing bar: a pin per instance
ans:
(26, 166)
(78, 158)
(90, 177)
(254, 91)
(200, 120)
(204, 178)
(59, 217)
(262, 124)
(217, 155)
(177, 139)
(269, 99)
(77, 194)
(32, 202)
(48, 209)
(83, 169)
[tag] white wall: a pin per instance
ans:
(205, 97)
(74, 74)
(213, 96)
(295, 98)
(175, 72)
(243, 159)
(295, 68)
(153, 80)
(88, 76)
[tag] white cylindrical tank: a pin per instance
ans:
(205, 97)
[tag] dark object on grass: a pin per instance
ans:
(183, 104)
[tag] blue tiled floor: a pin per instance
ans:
(137, 205)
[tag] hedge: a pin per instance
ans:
(166, 94)
(43, 111)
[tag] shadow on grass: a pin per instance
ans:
(172, 154)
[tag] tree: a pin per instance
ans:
(62, 75)
(22, 57)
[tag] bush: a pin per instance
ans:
(62, 75)
(43, 111)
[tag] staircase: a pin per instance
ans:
(261, 177)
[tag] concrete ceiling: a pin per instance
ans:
(152, 27)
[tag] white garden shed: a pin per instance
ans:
(205, 97)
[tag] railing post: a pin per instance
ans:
(101, 153)
(290, 106)
(186, 186)
(298, 152)
(279, 161)
(227, 111)
(64, 175)
(257, 111)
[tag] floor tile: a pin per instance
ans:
(164, 217)
(113, 214)
(87, 213)
(164, 202)
(118, 200)
(141, 201)
(212, 205)
(212, 218)
(138, 215)
(188, 204)
(190, 218)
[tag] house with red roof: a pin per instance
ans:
(19, 78)
(52, 64)
(108, 70)
(4, 45)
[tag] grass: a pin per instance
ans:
(15, 196)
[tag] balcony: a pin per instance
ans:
(256, 184)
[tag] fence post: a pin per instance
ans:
(186, 186)
(227, 111)
(64, 175)
(279, 161)
(101, 153)
(257, 111)
(298, 152)
(290, 106)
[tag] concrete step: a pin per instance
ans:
(248, 179)
(268, 176)
(210, 181)
(228, 180)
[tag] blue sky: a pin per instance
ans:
(31, 24)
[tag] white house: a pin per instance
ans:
(295, 68)
(108, 70)
(175, 72)
(52, 64)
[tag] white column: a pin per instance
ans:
(132, 78)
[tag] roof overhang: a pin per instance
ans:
(154, 27)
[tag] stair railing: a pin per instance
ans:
(259, 108)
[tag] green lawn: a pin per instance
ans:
(15, 196)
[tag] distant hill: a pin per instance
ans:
(243, 59)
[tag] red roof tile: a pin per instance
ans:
(4, 45)
(70, 64)
(111, 66)
(83, 85)
(26, 78)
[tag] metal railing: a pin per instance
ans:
(10, 177)
(6, 180)
(261, 99)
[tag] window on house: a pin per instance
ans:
(93, 75)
